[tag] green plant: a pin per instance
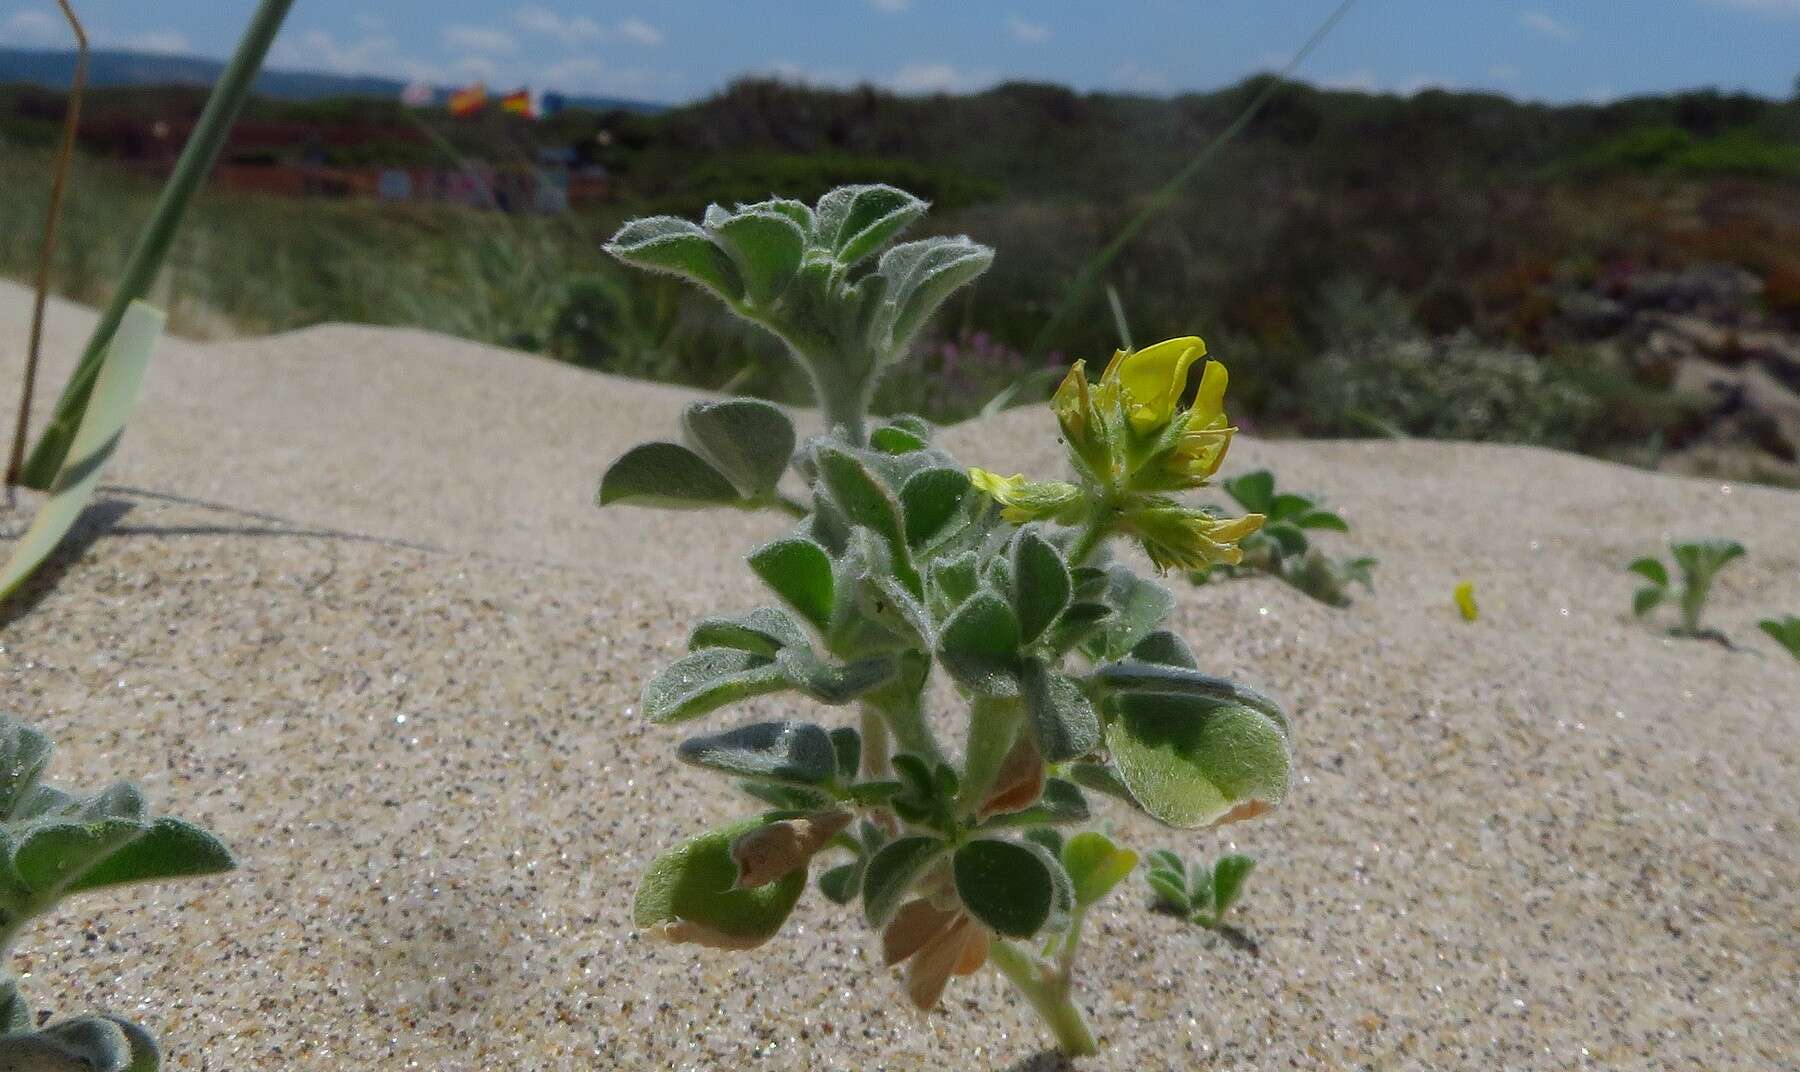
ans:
(1784, 631)
(1202, 895)
(1699, 562)
(905, 565)
(1282, 547)
(54, 845)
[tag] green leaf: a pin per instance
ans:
(833, 684)
(16, 1015)
(56, 855)
(980, 645)
(891, 873)
(895, 440)
(929, 499)
(856, 221)
(1784, 631)
(678, 247)
(1647, 598)
(846, 748)
(1191, 762)
(866, 501)
(1254, 491)
(1078, 625)
(1164, 860)
(764, 631)
(748, 441)
(765, 246)
(704, 681)
(1703, 558)
(1322, 519)
(1171, 892)
(1095, 865)
(841, 884)
(170, 848)
(1040, 583)
(1140, 677)
(799, 571)
(1005, 884)
(1228, 878)
(1166, 648)
(797, 753)
(687, 894)
(954, 580)
(1139, 607)
(1063, 720)
(1287, 506)
(23, 754)
(665, 475)
(1652, 570)
(920, 276)
(1101, 778)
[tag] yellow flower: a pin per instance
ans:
(1026, 500)
(1083, 427)
(1465, 601)
(1150, 381)
(1180, 537)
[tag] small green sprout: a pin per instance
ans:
(1699, 562)
(906, 566)
(1202, 895)
(1784, 631)
(1283, 548)
(55, 846)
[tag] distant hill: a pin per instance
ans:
(113, 67)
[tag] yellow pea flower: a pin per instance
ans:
(1179, 537)
(1151, 380)
(1026, 500)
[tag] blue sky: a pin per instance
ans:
(672, 50)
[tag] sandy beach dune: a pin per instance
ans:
(344, 598)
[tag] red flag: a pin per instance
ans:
(518, 102)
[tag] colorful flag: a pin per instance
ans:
(518, 102)
(551, 104)
(417, 95)
(468, 100)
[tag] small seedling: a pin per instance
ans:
(906, 565)
(53, 846)
(1202, 895)
(1784, 631)
(1699, 561)
(1282, 546)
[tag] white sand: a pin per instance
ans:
(391, 652)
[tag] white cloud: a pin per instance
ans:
(639, 32)
(1762, 7)
(159, 41)
(937, 78)
(890, 7)
(1546, 25)
(1359, 81)
(1032, 33)
(483, 39)
(572, 29)
(34, 27)
(318, 50)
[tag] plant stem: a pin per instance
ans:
(875, 751)
(1048, 994)
(158, 235)
(1094, 534)
(993, 726)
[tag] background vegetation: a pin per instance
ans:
(1346, 247)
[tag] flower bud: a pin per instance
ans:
(1084, 427)
(1180, 537)
(774, 849)
(1029, 500)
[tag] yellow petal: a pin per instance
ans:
(1154, 377)
(1465, 601)
(1209, 402)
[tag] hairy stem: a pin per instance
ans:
(993, 725)
(875, 750)
(1092, 534)
(1048, 993)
